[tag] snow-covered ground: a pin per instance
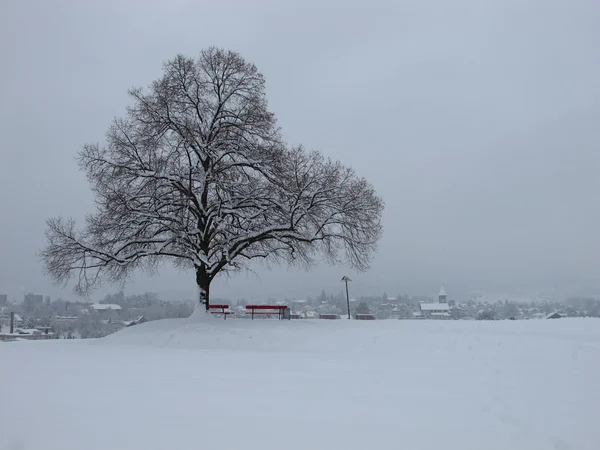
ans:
(267, 384)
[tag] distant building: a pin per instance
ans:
(439, 310)
(32, 301)
(442, 297)
(435, 310)
(555, 316)
(137, 321)
(28, 333)
(3, 299)
(105, 307)
(66, 319)
(5, 320)
(106, 310)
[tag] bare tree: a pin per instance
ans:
(197, 173)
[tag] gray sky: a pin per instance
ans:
(477, 121)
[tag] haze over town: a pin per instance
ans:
(482, 143)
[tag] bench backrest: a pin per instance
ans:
(329, 316)
(365, 317)
(218, 306)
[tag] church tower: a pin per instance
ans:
(442, 297)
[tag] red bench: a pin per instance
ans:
(220, 309)
(267, 309)
(365, 317)
(329, 316)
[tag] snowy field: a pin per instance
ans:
(235, 384)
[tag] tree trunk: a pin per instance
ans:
(203, 281)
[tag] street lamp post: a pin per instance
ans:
(345, 279)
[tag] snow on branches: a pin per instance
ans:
(197, 172)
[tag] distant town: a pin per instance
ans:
(40, 317)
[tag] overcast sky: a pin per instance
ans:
(476, 120)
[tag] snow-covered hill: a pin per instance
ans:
(239, 384)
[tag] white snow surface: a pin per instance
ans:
(204, 383)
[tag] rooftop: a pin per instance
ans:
(105, 306)
(434, 306)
